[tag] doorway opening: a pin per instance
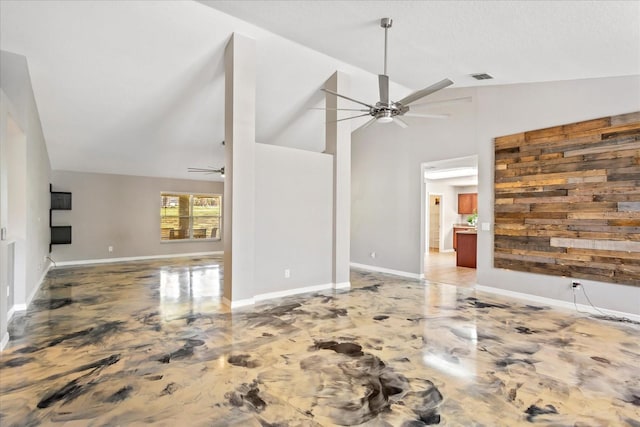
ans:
(435, 216)
(444, 183)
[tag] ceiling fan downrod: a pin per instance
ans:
(385, 23)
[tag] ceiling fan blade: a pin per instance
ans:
(397, 120)
(346, 97)
(383, 84)
(444, 102)
(338, 109)
(369, 123)
(424, 92)
(427, 116)
(348, 118)
(205, 170)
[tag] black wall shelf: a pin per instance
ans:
(60, 234)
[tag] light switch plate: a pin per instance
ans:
(486, 226)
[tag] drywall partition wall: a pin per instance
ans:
(384, 160)
(17, 100)
(122, 211)
(387, 182)
(567, 200)
(239, 187)
(338, 144)
(294, 192)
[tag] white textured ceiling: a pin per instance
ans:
(136, 87)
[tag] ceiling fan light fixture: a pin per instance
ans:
(384, 116)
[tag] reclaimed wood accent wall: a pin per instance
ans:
(567, 200)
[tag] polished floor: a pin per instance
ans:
(149, 343)
(440, 267)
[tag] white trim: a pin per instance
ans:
(134, 258)
(555, 302)
(4, 341)
(25, 305)
(238, 303)
(387, 270)
(343, 285)
(10, 313)
(294, 291)
(277, 294)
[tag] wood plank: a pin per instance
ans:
(603, 245)
(587, 125)
(509, 141)
(624, 119)
(632, 144)
(600, 207)
(628, 206)
(555, 131)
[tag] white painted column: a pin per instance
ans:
(338, 143)
(239, 184)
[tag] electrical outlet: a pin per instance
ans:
(110, 249)
(372, 254)
(575, 285)
(287, 273)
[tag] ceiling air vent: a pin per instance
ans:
(482, 76)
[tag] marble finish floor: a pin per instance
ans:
(149, 343)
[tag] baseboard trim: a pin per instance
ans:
(294, 291)
(343, 285)
(387, 270)
(25, 305)
(4, 341)
(281, 294)
(134, 258)
(10, 313)
(556, 303)
(238, 303)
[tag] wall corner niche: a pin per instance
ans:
(60, 234)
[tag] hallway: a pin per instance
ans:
(440, 267)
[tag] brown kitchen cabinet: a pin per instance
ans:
(467, 203)
(467, 249)
(457, 228)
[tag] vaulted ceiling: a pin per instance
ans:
(137, 87)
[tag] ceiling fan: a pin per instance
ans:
(385, 110)
(208, 170)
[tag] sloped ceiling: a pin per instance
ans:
(137, 87)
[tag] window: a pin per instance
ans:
(190, 216)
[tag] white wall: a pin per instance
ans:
(505, 110)
(121, 211)
(294, 211)
(387, 184)
(17, 100)
(386, 167)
